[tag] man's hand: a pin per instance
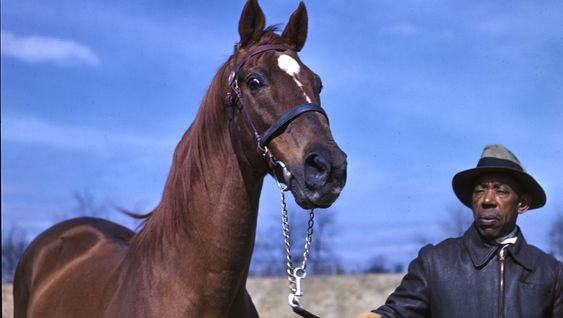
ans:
(368, 315)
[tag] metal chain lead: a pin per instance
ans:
(295, 274)
(287, 240)
(308, 238)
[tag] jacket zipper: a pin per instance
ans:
(502, 256)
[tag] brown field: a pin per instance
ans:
(325, 296)
(7, 304)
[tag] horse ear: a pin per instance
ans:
(251, 23)
(296, 30)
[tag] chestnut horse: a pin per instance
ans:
(192, 255)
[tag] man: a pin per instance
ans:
(491, 271)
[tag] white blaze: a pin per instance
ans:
(291, 67)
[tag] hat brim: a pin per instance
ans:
(463, 184)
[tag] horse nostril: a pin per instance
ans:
(317, 170)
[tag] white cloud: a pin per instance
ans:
(38, 49)
(31, 130)
(403, 29)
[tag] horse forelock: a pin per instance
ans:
(270, 35)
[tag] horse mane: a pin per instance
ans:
(198, 146)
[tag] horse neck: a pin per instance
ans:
(206, 220)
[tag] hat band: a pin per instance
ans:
(500, 163)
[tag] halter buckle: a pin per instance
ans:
(231, 78)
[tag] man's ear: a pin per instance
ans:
(523, 203)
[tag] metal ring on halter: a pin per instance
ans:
(264, 149)
(286, 176)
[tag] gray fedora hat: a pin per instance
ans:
(497, 158)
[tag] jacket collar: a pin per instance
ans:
(482, 252)
(521, 252)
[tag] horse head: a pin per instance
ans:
(280, 98)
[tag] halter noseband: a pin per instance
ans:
(234, 98)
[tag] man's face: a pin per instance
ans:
(496, 204)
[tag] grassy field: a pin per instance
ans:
(7, 304)
(325, 296)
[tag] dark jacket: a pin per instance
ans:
(460, 277)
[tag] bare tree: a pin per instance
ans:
(458, 220)
(269, 258)
(13, 245)
(378, 264)
(85, 204)
(556, 236)
(323, 258)
(422, 238)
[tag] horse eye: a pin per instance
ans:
(254, 83)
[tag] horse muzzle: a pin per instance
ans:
(323, 178)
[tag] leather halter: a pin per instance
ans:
(234, 100)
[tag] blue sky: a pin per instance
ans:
(95, 96)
